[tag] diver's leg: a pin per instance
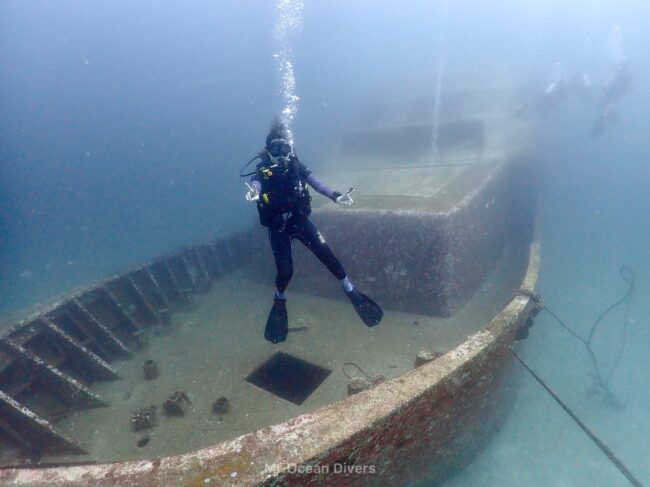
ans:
(309, 235)
(366, 308)
(281, 247)
(277, 324)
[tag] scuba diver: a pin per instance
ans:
(554, 93)
(278, 187)
(559, 90)
(617, 84)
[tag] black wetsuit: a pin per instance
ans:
(284, 207)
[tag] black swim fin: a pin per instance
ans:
(277, 325)
(366, 308)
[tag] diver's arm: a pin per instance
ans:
(256, 183)
(320, 187)
(335, 196)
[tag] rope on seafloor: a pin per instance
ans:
(602, 380)
(598, 442)
(357, 367)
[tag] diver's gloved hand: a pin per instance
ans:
(343, 199)
(253, 194)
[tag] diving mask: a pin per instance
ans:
(279, 149)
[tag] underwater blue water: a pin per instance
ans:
(123, 126)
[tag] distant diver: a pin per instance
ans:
(278, 186)
(558, 90)
(617, 84)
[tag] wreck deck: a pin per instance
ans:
(209, 350)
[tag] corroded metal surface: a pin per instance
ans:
(71, 391)
(18, 419)
(422, 424)
(91, 364)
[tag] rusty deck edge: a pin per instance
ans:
(257, 457)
